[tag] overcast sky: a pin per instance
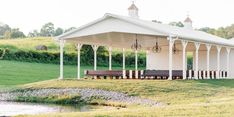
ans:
(32, 14)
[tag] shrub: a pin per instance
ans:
(71, 58)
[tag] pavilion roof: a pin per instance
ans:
(163, 29)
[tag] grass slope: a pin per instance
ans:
(31, 43)
(183, 98)
(16, 73)
(53, 46)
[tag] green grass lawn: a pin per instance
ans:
(193, 98)
(17, 73)
(181, 97)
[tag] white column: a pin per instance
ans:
(208, 47)
(171, 42)
(228, 61)
(218, 62)
(123, 58)
(124, 71)
(184, 44)
(197, 45)
(136, 64)
(136, 60)
(95, 47)
(110, 58)
(61, 45)
(79, 46)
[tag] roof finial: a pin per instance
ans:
(188, 22)
(187, 13)
(133, 10)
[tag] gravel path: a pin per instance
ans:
(85, 94)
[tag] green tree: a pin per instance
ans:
(225, 32)
(221, 32)
(58, 32)
(230, 31)
(179, 24)
(7, 34)
(208, 30)
(4, 28)
(16, 33)
(47, 30)
(69, 29)
(34, 33)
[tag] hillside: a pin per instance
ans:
(181, 98)
(31, 43)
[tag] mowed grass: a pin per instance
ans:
(179, 98)
(17, 73)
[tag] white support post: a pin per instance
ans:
(204, 74)
(212, 74)
(190, 74)
(95, 47)
(110, 58)
(142, 72)
(78, 46)
(184, 44)
(208, 47)
(199, 74)
(218, 62)
(124, 71)
(228, 61)
(136, 60)
(61, 45)
(171, 43)
(136, 64)
(197, 45)
(130, 74)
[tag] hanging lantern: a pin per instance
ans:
(156, 48)
(175, 50)
(136, 45)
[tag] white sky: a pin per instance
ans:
(32, 14)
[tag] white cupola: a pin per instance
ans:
(133, 11)
(188, 23)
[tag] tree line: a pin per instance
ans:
(49, 30)
(224, 32)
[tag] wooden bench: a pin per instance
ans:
(104, 73)
(162, 74)
(149, 74)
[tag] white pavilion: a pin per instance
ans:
(166, 46)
